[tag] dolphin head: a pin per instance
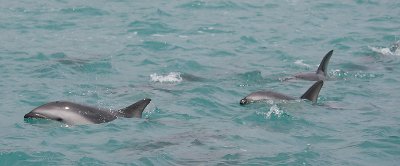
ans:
(47, 111)
(58, 111)
(244, 101)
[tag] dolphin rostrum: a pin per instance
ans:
(75, 114)
(320, 74)
(311, 94)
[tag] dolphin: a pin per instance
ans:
(77, 114)
(311, 94)
(320, 74)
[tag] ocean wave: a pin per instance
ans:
(172, 77)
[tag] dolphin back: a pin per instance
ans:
(313, 92)
(134, 110)
(323, 66)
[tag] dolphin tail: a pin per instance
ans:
(134, 110)
(313, 92)
(323, 66)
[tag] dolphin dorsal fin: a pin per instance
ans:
(134, 110)
(313, 92)
(323, 66)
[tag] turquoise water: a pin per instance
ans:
(196, 60)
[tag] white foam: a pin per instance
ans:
(394, 50)
(274, 110)
(397, 52)
(383, 51)
(172, 77)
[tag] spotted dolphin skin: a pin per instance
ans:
(311, 94)
(76, 114)
(320, 74)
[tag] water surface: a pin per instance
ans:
(196, 60)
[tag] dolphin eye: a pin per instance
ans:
(243, 101)
(59, 119)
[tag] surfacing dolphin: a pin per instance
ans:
(320, 74)
(76, 114)
(311, 94)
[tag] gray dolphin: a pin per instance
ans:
(311, 94)
(321, 72)
(73, 113)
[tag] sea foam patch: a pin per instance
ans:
(172, 77)
(393, 50)
(383, 51)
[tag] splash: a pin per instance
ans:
(340, 74)
(172, 77)
(150, 110)
(274, 111)
(393, 50)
